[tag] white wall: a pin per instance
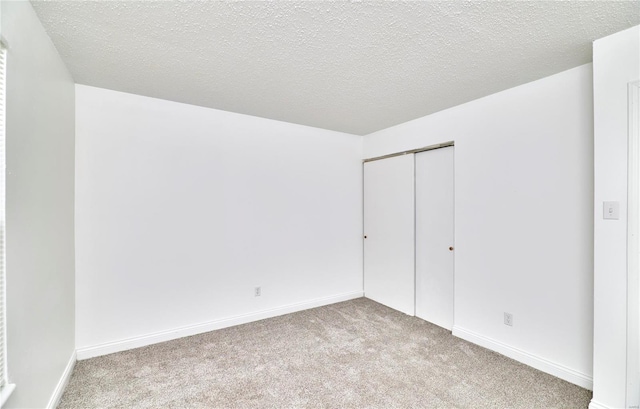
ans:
(40, 189)
(616, 63)
(523, 217)
(182, 210)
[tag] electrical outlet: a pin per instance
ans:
(508, 319)
(257, 292)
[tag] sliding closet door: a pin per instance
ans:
(389, 274)
(434, 236)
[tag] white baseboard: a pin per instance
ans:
(595, 405)
(5, 392)
(154, 338)
(527, 358)
(62, 383)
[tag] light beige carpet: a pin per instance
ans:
(355, 354)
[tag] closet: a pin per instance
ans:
(408, 229)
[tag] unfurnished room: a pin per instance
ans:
(319, 204)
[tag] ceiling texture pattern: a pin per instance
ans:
(350, 66)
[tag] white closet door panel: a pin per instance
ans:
(434, 236)
(389, 269)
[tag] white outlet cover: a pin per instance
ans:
(611, 210)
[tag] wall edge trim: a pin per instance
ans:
(180, 332)
(527, 358)
(63, 382)
(597, 405)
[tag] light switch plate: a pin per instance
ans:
(611, 210)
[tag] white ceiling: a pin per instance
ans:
(351, 66)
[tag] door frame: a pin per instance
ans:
(633, 247)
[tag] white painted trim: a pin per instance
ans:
(6, 392)
(62, 383)
(596, 405)
(162, 336)
(633, 243)
(527, 358)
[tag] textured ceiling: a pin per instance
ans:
(352, 66)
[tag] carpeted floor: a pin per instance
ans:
(355, 354)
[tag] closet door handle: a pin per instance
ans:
(451, 248)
